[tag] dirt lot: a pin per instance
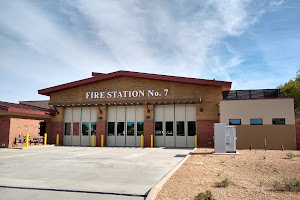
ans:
(252, 175)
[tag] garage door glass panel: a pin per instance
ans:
(120, 129)
(93, 128)
(158, 128)
(111, 128)
(67, 128)
(140, 128)
(130, 128)
(169, 128)
(85, 128)
(191, 128)
(180, 128)
(75, 128)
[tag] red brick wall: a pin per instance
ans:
(205, 133)
(23, 126)
(297, 124)
(4, 131)
(55, 128)
(100, 130)
(148, 131)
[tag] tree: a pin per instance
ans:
(292, 89)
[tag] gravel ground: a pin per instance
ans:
(252, 175)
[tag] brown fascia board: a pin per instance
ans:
(101, 77)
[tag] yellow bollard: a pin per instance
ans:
(196, 141)
(27, 139)
(93, 140)
(142, 141)
(102, 140)
(45, 138)
(57, 140)
(151, 141)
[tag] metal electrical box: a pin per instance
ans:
(224, 138)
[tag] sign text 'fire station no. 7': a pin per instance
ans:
(125, 94)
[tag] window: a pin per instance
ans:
(191, 128)
(120, 129)
(130, 128)
(85, 128)
(234, 121)
(140, 128)
(256, 121)
(169, 128)
(93, 128)
(111, 129)
(180, 128)
(67, 128)
(76, 129)
(158, 128)
(278, 121)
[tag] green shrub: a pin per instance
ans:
(276, 185)
(292, 184)
(225, 182)
(205, 196)
(290, 155)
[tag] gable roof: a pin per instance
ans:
(21, 108)
(101, 77)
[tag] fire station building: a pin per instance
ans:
(124, 105)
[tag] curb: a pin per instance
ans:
(157, 187)
(34, 147)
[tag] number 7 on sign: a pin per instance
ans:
(166, 91)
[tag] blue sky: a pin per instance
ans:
(254, 44)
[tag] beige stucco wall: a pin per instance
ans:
(257, 108)
(274, 135)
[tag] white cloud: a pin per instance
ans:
(78, 37)
(276, 3)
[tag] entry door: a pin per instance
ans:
(111, 126)
(67, 136)
(180, 130)
(120, 137)
(93, 126)
(169, 126)
(191, 125)
(76, 126)
(85, 126)
(130, 126)
(159, 136)
(139, 116)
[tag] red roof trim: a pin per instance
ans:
(21, 108)
(101, 77)
(26, 111)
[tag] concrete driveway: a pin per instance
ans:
(84, 172)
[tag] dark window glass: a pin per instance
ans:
(120, 129)
(93, 128)
(256, 121)
(278, 121)
(130, 128)
(85, 128)
(180, 128)
(140, 128)
(67, 128)
(234, 121)
(111, 129)
(169, 128)
(191, 128)
(158, 128)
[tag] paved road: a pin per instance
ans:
(84, 172)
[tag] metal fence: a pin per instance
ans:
(251, 94)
